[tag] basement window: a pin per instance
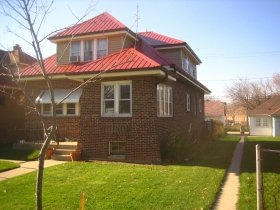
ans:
(117, 148)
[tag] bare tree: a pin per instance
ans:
(250, 94)
(276, 82)
(30, 14)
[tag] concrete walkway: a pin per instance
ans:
(228, 196)
(26, 167)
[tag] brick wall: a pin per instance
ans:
(68, 126)
(12, 118)
(142, 132)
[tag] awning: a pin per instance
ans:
(45, 97)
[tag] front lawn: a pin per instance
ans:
(7, 152)
(7, 165)
(248, 194)
(193, 185)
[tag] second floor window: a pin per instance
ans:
(88, 50)
(101, 48)
(75, 48)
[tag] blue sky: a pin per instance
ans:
(233, 38)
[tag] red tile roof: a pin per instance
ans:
(214, 108)
(156, 39)
(100, 23)
(270, 107)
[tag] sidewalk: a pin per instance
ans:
(26, 167)
(228, 196)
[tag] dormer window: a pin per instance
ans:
(102, 48)
(75, 51)
(88, 50)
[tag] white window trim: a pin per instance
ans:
(169, 102)
(64, 111)
(261, 122)
(116, 98)
(188, 102)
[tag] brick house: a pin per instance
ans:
(146, 90)
(12, 114)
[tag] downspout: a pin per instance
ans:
(166, 74)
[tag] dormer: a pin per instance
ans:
(176, 50)
(91, 40)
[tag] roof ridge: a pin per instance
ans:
(161, 35)
(101, 22)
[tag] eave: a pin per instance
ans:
(176, 46)
(206, 91)
(93, 35)
(83, 77)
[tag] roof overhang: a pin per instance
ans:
(192, 82)
(185, 47)
(82, 77)
(91, 35)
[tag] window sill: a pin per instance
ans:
(165, 116)
(112, 115)
(61, 116)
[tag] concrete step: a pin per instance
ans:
(63, 151)
(61, 157)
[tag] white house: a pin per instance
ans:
(264, 120)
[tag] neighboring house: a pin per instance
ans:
(215, 110)
(147, 89)
(264, 120)
(12, 115)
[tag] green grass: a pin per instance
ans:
(7, 165)
(7, 152)
(247, 197)
(193, 185)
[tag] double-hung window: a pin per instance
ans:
(116, 98)
(75, 48)
(88, 50)
(101, 48)
(261, 122)
(258, 122)
(188, 102)
(46, 109)
(164, 101)
(200, 105)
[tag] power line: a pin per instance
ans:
(226, 80)
(246, 54)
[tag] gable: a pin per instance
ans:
(214, 108)
(99, 24)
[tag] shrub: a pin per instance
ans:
(218, 129)
(236, 127)
(176, 149)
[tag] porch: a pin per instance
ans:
(61, 153)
